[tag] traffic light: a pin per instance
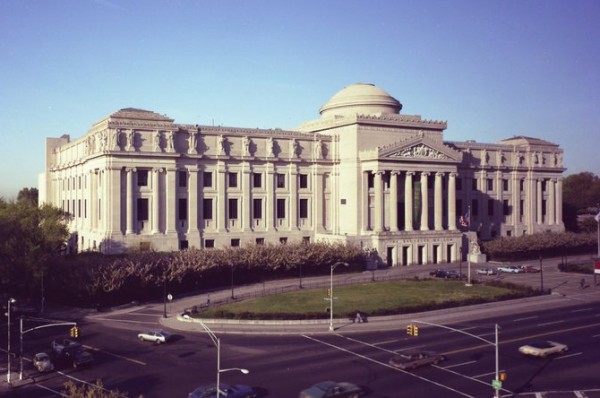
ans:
(415, 330)
(409, 330)
(75, 332)
(328, 292)
(502, 376)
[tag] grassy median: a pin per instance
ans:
(376, 298)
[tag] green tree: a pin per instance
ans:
(72, 390)
(28, 195)
(581, 195)
(29, 237)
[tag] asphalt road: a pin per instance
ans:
(281, 366)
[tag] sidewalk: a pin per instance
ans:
(565, 287)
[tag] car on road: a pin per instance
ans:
(543, 348)
(331, 389)
(486, 271)
(155, 336)
(512, 269)
(227, 391)
(416, 359)
(70, 352)
(452, 274)
(439, 273)
(529, 269)
(42, 362)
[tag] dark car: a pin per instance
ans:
(71, 353)
(227, 391)
(331, 389)
(439, 273)
(528, 269)
(414, 360)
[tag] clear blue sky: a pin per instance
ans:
(492, 69)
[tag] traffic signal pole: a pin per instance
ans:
(22, 332)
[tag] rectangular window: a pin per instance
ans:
(283, 240)
(183, 179)
(207, 209)
(207, 179)
(209, 243)
(142, 178)
(474, 207)
(280, 180)
(260, 241)
(85, 208)
(490, 207)
(182, 209)
(79, 208)
(280, 208)
(459, 208)
(99, 209)
(505, 207)
(521, 207)
(505, 185)
(490, 184)
(474, 184)
(370, 180)
(233, 180)
(233, 209)
(303, 180)
(142, 209)
(459, 184)
(306, 240)
(521, 185)
(79, 182)
(257, 208)
(303, 208)
(235, 243)
(257, 180)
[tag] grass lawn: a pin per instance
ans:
(370, 298)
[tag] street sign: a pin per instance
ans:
(597, 267)
(496, 384)
(170, 297)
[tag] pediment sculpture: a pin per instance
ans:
(419, 151)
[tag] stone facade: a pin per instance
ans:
(362, 173)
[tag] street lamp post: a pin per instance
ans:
(331, 292)
(217, 342)
(541, 275)
(10, 301)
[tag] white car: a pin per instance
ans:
(510, 269)
(42, 362)
(543, 348)
(486, 271)
(156, 336)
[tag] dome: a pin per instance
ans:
(361, 98)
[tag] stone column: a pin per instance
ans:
(320, 202)
(130, 201)
(540, 197)
(394, 201)
(271, 197)
(93, 188)
(293, 197)
(246, 198)
(113, 200)
(365, 201)
(222, 224)
(559, 200)
(193, 201)
(424, 202)
(437, 201)
(156, 205)
(551, 202)
(452, 202)
(408, 201)
(378, 227)
(171, 205)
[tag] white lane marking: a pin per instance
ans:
(487, 374)
(568, 356)
(526, 318)
(459, 364)
(583, 309)
(51, 390)
(124, 320)
(550, 323)
(386, 365)
(596, 335)
(365, 343)
(386, 342)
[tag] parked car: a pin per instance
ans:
(331, 389)
(155, 336)
(227, 391)
(439, 273)
(414, 360)
(543, 348)
(452, 274)
(510, 269)
(70, 352)
(529, 268)
(42, 362)
(486, 271)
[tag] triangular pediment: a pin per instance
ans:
(420, 149)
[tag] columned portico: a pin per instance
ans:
(424, 202)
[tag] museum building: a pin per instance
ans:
(362, 173)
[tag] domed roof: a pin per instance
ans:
(361, 98)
